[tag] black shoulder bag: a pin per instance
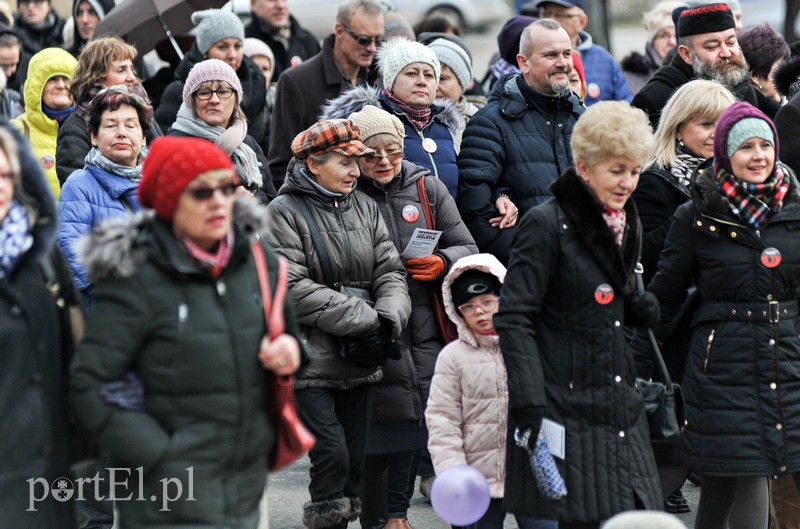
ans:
(663, 400)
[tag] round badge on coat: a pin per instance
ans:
(771, 257)
(47, 161)
(294, 61)
(429, 145)
(593, 90)
(604, 294)
(410, 213)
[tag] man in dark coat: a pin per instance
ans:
(38, 25)
(707, 49)
(342, 64)
(271, 23)
(86, 15)
(517, 144)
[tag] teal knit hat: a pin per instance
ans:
(748, 128)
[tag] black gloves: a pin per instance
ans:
(528, 418)
(376, 338)
(642, 310)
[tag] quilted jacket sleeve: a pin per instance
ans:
(444, 414)
(76, 220)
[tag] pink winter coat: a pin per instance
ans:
(467, 413)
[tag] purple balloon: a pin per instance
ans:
(460, 495)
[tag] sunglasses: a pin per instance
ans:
(361, 39)
(204, 193)
(376, 158)
(204, 93)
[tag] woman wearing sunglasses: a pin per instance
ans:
(106, 187)
(177, 309)
(397, 433)
(319, 212)
(210, 110)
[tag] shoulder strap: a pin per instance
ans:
(662, 367)
(426, 204)
(274, 318)
(316, 239)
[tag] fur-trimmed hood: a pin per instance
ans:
(708, 198)
(787, 77)
(358, 97)
(117, 246)
(579, 203)
(483, 262)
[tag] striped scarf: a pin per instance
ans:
(752, 203)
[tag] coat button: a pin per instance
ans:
(773, 386)
(15, 310)
(771, 341)
(617, 379)
(749, 312)
(621, 433)
(769, 297)
(564, 226)
(221, 288)
(733, 311)
(782, 468)
(712, 228)
(617, 323)
(733, 235)
(779, 426)
(699, 222)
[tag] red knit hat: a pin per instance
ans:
(170, 165)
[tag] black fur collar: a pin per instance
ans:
(580, 205)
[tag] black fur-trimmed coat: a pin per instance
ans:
(741, 383)
(565, 351)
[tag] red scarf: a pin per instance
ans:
(215, 262)
(615, 218)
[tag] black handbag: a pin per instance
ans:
(350, 348)
(663, 400)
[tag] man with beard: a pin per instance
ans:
(343, 63)
(707, 49)
(516, 145)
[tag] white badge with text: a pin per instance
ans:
(422, 243)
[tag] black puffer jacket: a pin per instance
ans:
(254, 100)
(566, 352)
(361, 255)
(302, 44)
(515, 145)
(403, 392)
(741, 385)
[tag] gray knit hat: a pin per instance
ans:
(747, 128)
(372, 121)
(396, 54)
(214, 25)
(210, 70)
(451, 54)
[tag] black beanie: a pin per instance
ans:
(473, 283)
(509, 35)
(707, 18)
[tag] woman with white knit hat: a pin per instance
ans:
(410, 73)
(219, 35)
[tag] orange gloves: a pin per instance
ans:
(425, 268)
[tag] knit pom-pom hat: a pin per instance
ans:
(210, 70)
(740, 122)
(214, 25)
(396, 54)
(170, 165)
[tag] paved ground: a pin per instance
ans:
(287, 493)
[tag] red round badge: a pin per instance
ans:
(604, 294)
(771, 257)
(410, 213)
(47, 161)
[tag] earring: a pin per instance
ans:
(680, 142)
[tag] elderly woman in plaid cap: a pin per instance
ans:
(351, 301)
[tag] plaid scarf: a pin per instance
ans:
(615, 218)
(752, 203)
(418, 116)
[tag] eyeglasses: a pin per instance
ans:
(361, 39)
(488, 304)
(204, 193)
(204, 93)
(376, 158)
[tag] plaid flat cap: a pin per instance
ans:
(326, 135)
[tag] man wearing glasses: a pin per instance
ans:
(343, 63)
(604, 78)
(290, 43)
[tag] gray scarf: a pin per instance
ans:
(230, 140)
(98, 159)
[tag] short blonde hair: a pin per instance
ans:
(612, 128)
(698, 99)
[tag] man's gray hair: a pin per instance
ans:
(348, 9)
(525, 45)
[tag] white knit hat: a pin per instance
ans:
(456, 58)
(214, 25)
(660, 17)
(396, 54)
(210, 70)
(372, 121)
(253, 47)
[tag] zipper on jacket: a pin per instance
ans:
(430, 156)
(708, 349)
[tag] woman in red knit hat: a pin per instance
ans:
(172, 375)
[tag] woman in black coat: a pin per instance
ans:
(737, 242)
(36, 298)
(561, 329)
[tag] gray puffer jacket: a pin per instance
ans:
(362, 255)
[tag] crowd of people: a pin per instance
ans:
(461, 261)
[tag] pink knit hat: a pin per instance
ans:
(210, 70)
